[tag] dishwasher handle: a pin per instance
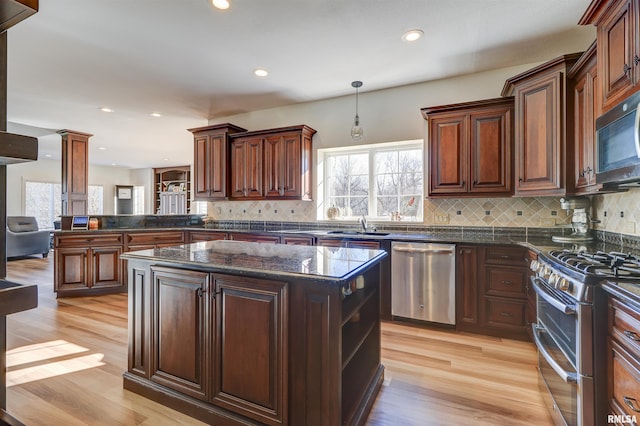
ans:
(427, 251)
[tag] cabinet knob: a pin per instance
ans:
(589, 169)
(626, 68)
(520, 179)
(507, 282)
(506, 314)
(631, 335)
(582, 172)
(636, 60)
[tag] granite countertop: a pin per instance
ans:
(328, 264)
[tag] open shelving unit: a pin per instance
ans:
(172, 180)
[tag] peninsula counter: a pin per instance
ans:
(234, 332)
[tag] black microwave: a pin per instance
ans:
(618, 144)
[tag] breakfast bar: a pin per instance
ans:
(235, 332)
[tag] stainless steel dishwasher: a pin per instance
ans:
(423, 281)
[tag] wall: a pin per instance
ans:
(391, 115)
(51, 171)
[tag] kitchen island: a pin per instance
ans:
(233, 332)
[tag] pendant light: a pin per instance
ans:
(356, 130)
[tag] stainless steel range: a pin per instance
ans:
(571, 330)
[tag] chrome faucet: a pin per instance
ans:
(363, 223)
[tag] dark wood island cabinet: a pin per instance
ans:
(234, 332)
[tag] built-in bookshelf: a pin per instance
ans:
(172, 180)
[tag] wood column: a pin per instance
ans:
(75, 166)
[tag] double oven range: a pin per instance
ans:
(571, 329)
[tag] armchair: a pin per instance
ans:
(24, 238)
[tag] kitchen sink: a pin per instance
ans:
(352, 232)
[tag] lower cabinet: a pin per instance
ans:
(221, 339)
(245, 350)
(491, 296)
(623, 359)
(86, 264)
(255, 238)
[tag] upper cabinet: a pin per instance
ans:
(211, 157)
(14, 11)
(470, 148)
(585, 89)
(618, 23)
(541, 129)
(231, 163)
(274, 163)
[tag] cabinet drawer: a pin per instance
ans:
(365, 244)
(509, 282)
(196, 236)
(506, 255)
(624, 326)
(255, 238)
(505, 313)
(142, 238)
(88, 240)
(624, 393)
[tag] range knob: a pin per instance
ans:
(563, 284)
(544, 271)
(553, 279)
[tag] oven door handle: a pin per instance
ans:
(549, 298)
(566, 376)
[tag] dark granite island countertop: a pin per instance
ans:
(241, 333)
(330, 265)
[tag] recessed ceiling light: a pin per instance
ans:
(113, 164)
(48, 155)
(106, 109)
(220, 4)
(261, 72)
(165, 159)
(102, 148)
(412, 35)
(155, 114)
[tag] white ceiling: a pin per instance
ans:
(192, 62)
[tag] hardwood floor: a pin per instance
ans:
(66, 359)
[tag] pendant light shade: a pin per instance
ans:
(356, 130)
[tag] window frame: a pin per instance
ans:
(370, 149)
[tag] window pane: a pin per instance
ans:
(386, 162)
(138, 200)
(42, 200)
(94, 199)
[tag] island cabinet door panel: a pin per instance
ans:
(448, 155)
(538, 135)
(467, 287)
(251, 351)
(107, 267)
(73, 268)
(179, 342)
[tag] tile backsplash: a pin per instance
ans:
(503, 212)
(618, 212)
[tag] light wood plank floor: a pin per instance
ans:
(66, 359)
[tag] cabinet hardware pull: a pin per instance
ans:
(631, 335)
(199, 292)
(636, 60)
(626, 69)
(506, 314)
(631, 403)
(520, 179)
(505, 256)
(589, 169)
(582, 172)
(507, 282)
(463, 182)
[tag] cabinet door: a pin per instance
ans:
(538, 136)
(585, 111)
(467, 287)
(73, 270)
(246, 168)
(283, 158)
(202, 167)
(107, 267)
(251, 350)
(617, 49)
(448, 154)
(218, 166)
(179, 342)
(491, 138)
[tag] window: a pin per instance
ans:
(43, 200)
(138, 200)
(381, 181)
(198, 207)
